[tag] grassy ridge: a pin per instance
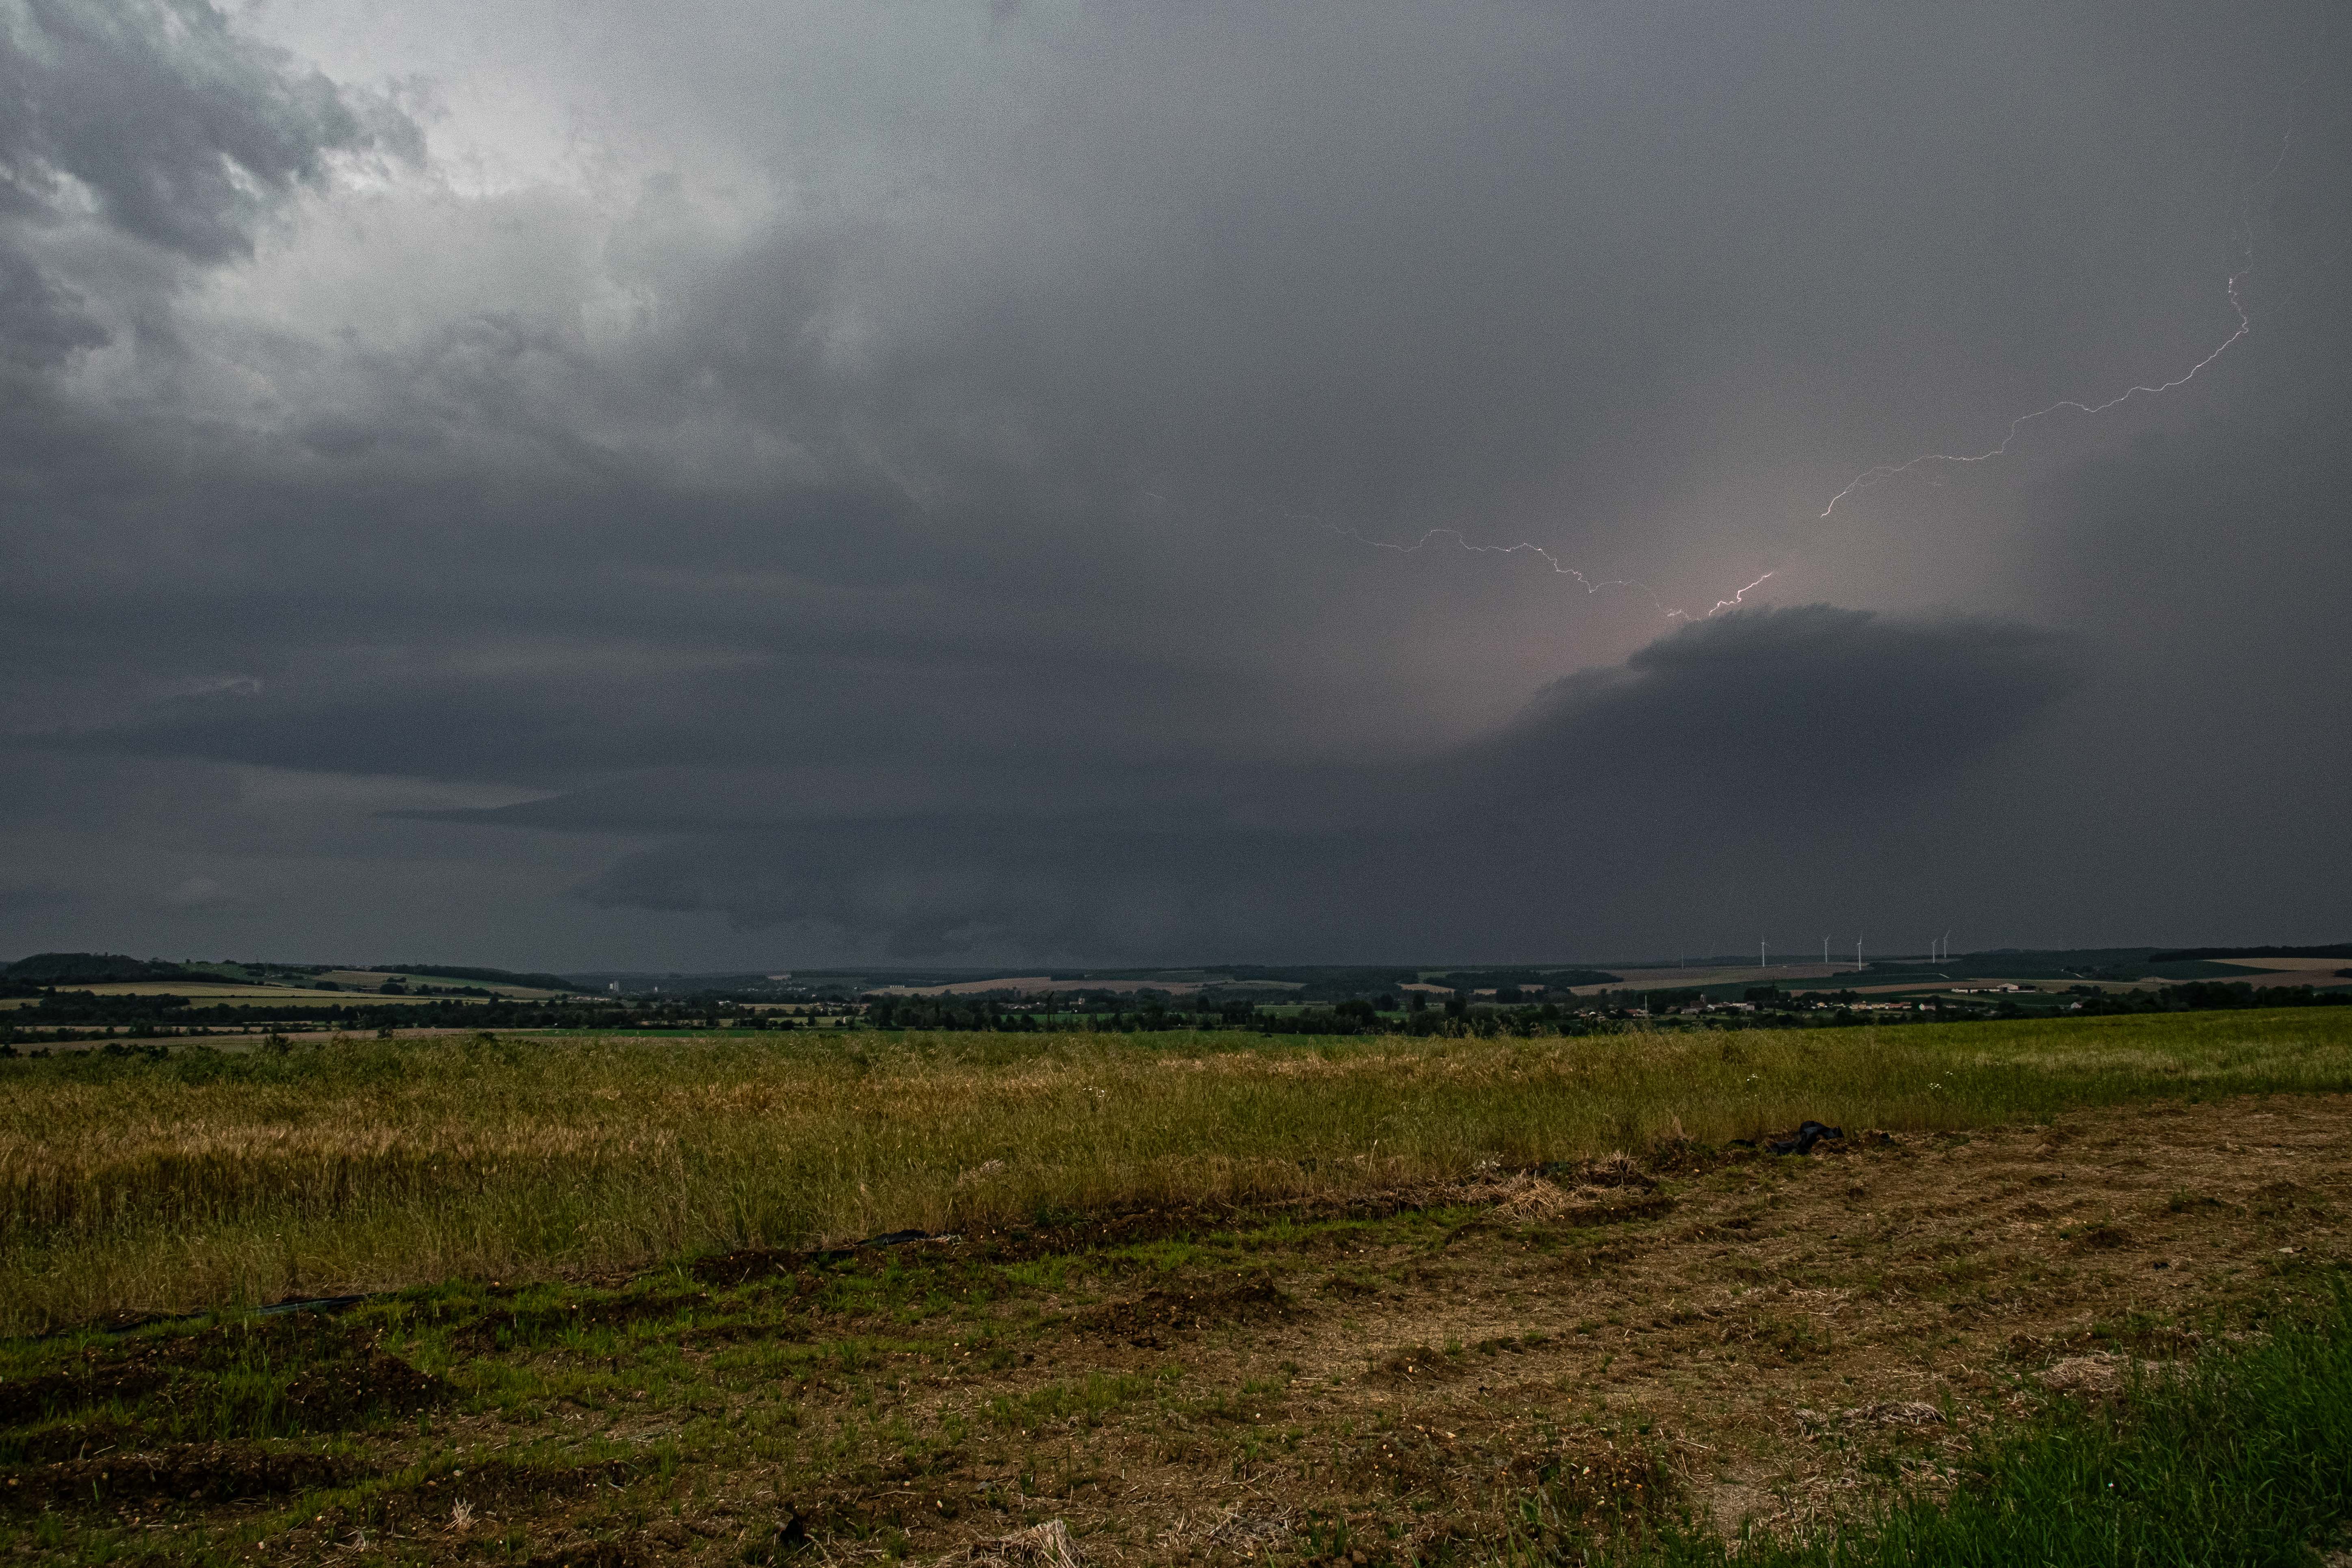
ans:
(206, 1179)
(2243, 1458)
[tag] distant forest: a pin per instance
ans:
(465, 972)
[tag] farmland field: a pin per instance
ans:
(209, 994)
(1210, 1298)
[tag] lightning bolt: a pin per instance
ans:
(1558, 567)
(1730, 603)
(2230, 287)
(1883, 472)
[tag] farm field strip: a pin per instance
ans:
(1749, 975)
(215, 1178)
(204, 993)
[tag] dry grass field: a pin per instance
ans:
(1047, 985)
(216, 1179)
(371, 979)
(2319, 974)
(208, 994)
(1207, 1300)
(1721, 974)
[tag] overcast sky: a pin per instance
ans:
(724, 484)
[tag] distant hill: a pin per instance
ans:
(2192, 955)
(95, 969)
(1498, 979)
(465, 972)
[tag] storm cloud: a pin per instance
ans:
(1808, 703)
(793, 484)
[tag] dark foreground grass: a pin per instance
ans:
(2240, 1458)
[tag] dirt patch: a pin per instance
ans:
(479, 1495)
(264, 1375)
(2102, 1236)
(180, 1472)
(728, 1270)
(522, 1326)
(1598, 1183)
(1415, 1363)
(598, 1555)
(1255, 1299)
(592, 1554)
(343, 1392)
(2287, 1200)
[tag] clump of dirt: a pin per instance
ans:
(30, 1399)
(194, 1472)
(2286, 1200)
(263, 1377)
(483, 1488)
(1252, 1299)
(1622, 1211)
(1415, 1363)
(333, 1395)
(2102, 1236)
(777, 1542)
(509, 1326)
(1619, 1170)
(592, 1554)
(728, 1270)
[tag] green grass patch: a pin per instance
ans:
(1081, 1402)
(2238, 1459)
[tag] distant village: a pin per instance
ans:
(54, 999)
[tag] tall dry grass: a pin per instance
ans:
(209, 1180)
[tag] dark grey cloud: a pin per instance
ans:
(813, 482)
(41, 320)
(1743, 718)
(36, 898)
(1766, 707)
